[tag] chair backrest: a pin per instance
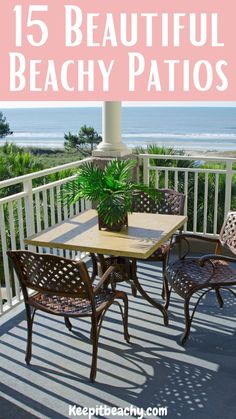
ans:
(51, 274)
(228, 232)
(171, 202)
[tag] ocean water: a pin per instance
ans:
(191, 128)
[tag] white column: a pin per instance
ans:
(111, 145)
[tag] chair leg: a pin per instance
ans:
(133, 272)
(165, 283)
(219, 297)
(168, 293)
(98, 327)
(95, 267)
(125, 317)
(94, 334)
(68, 323)
(188, 321)
(133, 289)
(166, 289)
(30, 320)
(113, 284)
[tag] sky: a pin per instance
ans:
(7, 105)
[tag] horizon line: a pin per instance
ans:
(95, 104)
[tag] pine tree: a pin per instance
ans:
(4, 126)
(85, 141)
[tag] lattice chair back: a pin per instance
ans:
(228, 232)
(51, 274)
(170, 202)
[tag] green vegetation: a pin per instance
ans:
(4, 127)
(85, 141)
(47, 157)
(55, 157)
(14, 162)
(17, 161)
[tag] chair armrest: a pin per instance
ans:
(105, 279)
(205, 258)
(185, 236)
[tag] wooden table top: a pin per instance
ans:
(145, 233)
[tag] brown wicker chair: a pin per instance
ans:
(63, 288)
(189, 275)
(171, 202)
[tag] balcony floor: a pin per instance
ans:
(197, 381)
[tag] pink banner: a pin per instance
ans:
(118, 50)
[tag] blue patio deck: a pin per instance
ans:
(197, 381)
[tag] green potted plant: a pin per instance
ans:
(111, 189)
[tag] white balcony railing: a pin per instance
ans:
(27, 212)
(209, 196)
(208, 184)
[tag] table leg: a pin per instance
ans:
(147, 297)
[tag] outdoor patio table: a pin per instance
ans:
(144, 234)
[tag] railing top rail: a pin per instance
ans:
(188, 169)
(53, 184)
(188, 157)
(12, 198)
(42, 173)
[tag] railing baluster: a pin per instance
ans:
(59, 215)
(65, 210)
(52, 213)
(228, 187)
(52, 206)
(157, 179)
(146, 171)
(13, 245)
(29, 207)
(88, 204)
(195, 202)
(205, 204)
(67, 254)
(216, 202)
(20, 224)
(4, 256)
(186, 197)
(77, 207)
(1, 299)
(38, 211)
(59, 212)
(166, 178)
(176, 180)
(71, 210)
(38, 216)
(45, 208)
(82, 205)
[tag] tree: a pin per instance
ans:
(85, 141)
(4, 127)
